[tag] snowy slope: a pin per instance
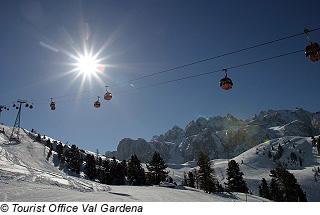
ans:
(26, 175)
(257, 165)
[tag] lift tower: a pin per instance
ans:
(16, 126)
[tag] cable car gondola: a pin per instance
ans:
(107, 95)
(226, 83)
(312, 51)
(52, 105)
(31, 106)
(14, 105)
(97, 103)
(27, 105)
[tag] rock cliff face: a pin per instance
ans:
(220, 137)
(173, 134)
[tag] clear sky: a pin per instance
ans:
(142, 37)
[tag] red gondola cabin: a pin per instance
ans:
(313, 52)
(226, 83)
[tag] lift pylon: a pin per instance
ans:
(16, 128)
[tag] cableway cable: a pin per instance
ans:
(211, 72)
(185, 65)
(187, 77)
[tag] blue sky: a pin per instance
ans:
(144, 37)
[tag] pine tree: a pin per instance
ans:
(280, 149)
(124, 167)
(90, 167)
(289, 189)
(293, 156)
(136, 174)
(49, 144)
(191, 179)
(185, 179)
(73, 159)
(279, 152)
(119, 178)
(113, 166)
(59, 150)
(38, 138)
(101, 174)
(274, 190)
(300, 161)
(207, 180)
(264, 189)
(104, 173)
(99, 162)
(235, 182)
(156, 168)
(196, 177)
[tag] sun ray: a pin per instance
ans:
(85, 61)
(109, 41)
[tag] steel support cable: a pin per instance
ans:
(185, 65)
(189, 77)
(207, 73)
(215, 57)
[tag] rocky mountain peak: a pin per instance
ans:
(221, 137)
(192, 129)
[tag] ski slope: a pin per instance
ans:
(257, 165)
(26, 175)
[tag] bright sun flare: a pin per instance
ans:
(87, 65)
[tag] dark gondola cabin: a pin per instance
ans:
(107, 95)
(313, 52)
(97, 104)
(52, 105)
(226, 83)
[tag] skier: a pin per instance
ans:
(49, 154)
(316, 175)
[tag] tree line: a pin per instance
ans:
(204, 178)
(282, 187)
(111, 171)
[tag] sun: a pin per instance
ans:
(87, 65)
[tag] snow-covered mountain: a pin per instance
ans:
(257, 162)
(27, 175)
(221, 137)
